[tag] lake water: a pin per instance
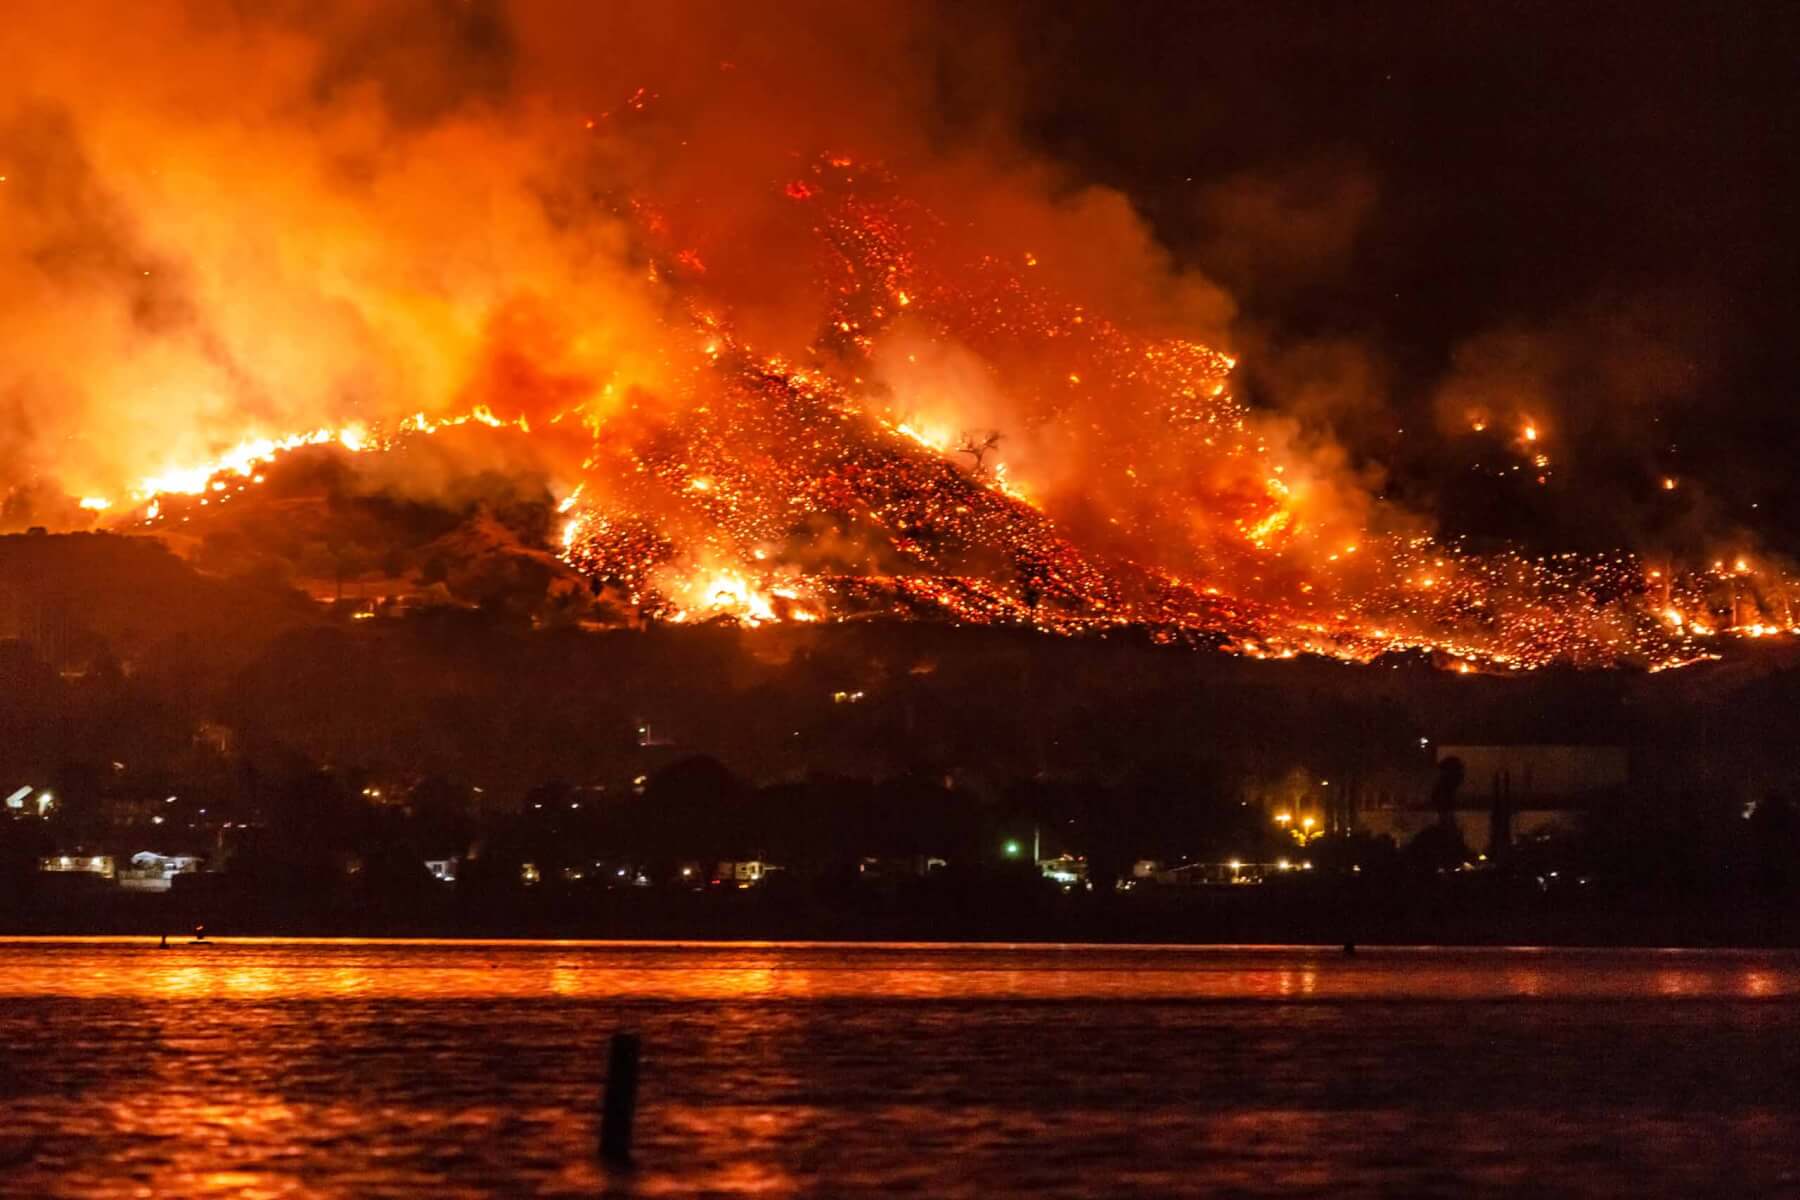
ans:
(274, 1068)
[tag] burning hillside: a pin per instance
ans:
(763, 384)
(768, 490)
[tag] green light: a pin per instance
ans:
(1012, 849)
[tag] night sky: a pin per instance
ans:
(1603, 194)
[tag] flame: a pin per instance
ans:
(1214, 528)
(725, 592)
(242, 463)
(241, 460)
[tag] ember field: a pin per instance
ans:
(759, 489)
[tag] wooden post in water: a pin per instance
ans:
(619, 1103)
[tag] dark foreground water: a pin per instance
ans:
(357, 1069)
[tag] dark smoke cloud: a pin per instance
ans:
(1272, 232)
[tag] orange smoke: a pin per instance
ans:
(794, 342)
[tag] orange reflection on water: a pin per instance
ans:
(1297, 983)
(1676, 982)
(292, 969)
(369, 1086)
(1525, 980)
(200, 1145)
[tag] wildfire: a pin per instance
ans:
(724, 592)
(242, 460)
(242, 464)
(1211, 532)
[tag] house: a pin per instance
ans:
(743, 873)
(80, 864)
(153, 872)
(1233, 871)
(1065, 869)
(899, 866)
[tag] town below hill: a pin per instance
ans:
(182, 747)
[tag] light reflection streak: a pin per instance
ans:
(260, 969)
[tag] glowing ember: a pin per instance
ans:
(767, 490)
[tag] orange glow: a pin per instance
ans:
(764, 378)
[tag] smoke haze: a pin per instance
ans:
(228, 221)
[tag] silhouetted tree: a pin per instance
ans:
(1443, 792)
